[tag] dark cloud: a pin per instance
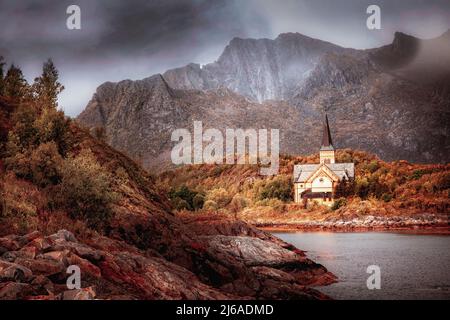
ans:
(134, 39)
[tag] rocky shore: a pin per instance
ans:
(425, 223)
(239, 263)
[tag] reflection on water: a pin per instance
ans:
(412, 266)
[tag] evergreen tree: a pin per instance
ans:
(15, 85)
(47, 87)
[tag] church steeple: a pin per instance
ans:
(327, 142)
(327, 154)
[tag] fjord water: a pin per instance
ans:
(412, 266)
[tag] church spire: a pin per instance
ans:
(327, 142)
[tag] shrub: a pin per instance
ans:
(339, 203)
(362, 187)
(20, 165)
(85, 190)
(210, 205)
(220, 196)
(46, 165)
(443, 182)
(280, 188)
(183, 193)
(417, 174)
(373, 166)
(180, 204)
(52, 125)
(238, 203)
(386, 197)
(198, 201)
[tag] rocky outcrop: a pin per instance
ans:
(229, 267)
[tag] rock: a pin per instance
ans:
(85, 266)
(251, 251)
(210, 266)
(63, 235)
(58, 256)
(42, 266)
(14, 272)
(14, 290)
(43, 284)
(79, 294)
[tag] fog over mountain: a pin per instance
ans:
(122, 40)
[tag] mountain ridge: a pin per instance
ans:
(377, 99)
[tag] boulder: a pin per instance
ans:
(79, 294)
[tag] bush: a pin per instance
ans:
(417, 174)
(238, 203)
(443, 182)
(182, 193)
(20, 165)
(46, 165)
(85, 190)
(210, 205)
(279, 188)
(220, 196)
(180, 204)
(339, 203)
(386, 197)
(52, 125)
(198, 201)
(362, 187)
(373, 166)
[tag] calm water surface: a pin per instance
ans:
(412, 266)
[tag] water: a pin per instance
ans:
(412, 266)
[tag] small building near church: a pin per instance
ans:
(318, 182)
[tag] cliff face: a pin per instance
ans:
(259, 69)
(392, 101)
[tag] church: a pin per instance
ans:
(318, 182)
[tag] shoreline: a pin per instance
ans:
(300, 228)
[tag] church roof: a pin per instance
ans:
(327, 142)
(304, 171)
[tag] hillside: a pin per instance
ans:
(384, 195)
(391, 101)
(67, 198)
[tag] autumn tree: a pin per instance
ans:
(47, 87)
(15, 85)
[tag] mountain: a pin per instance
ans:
(392, 101)
(261, 69)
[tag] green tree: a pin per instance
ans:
(279, 188)
(47, 87)
(15, 85)
(52, 125)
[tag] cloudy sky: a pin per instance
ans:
(134, 39)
